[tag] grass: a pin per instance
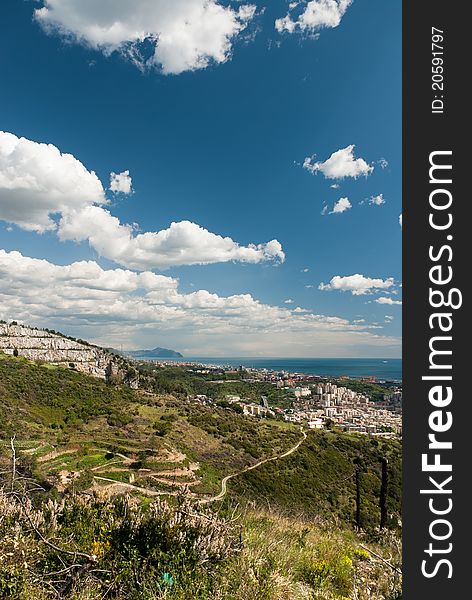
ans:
(120, 476)
(157, 551)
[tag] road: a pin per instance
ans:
(224, 481)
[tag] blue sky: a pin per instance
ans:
(222, 146)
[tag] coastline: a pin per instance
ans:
(378, 369)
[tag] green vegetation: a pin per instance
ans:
(216, 385)
(68, 423)
(320, 479)
(35, 397)
(282, 532)
(83, 419)
(84, 548)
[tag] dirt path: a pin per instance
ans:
(224, 481)
(119, 485)
(34, 450)
(55, 454)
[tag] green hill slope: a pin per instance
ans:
(130, 494)
(77, 431)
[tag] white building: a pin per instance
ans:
(316, 424)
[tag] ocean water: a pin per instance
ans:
(388, 368)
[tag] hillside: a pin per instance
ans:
(57, 349)
(291, 536)
(89, 431)
(69, 424)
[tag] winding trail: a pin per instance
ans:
(224, 481)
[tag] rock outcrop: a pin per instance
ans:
(56, 349)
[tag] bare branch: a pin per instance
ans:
(90, 557)
(13, 462)
(380, 558)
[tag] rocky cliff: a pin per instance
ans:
(56, 349)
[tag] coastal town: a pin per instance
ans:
(313, 401)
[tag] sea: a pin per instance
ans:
(388, 369)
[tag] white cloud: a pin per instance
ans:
(184, 35)
(400, 220)
(305, 270)
(42, 189)
(377, 200)
(334, 186)
(118, 306)
(288, 301)
(389, 318)
(339, 165)
(324, 210)
(383, 163)
(358, 321)
(390, 301)
(121, 183)
(37, 181)
(317, 14)
(357, 284)
(183, 243)
(341, 206)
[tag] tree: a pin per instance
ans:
(383, 494)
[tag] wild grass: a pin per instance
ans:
(127, 550)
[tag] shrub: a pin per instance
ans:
(132, 547)
(12, 583)
(333, 570)
(361, 554)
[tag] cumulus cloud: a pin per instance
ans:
(37, 181)
(341, 206)
(288, 301)
(339, 165)
(357, 284)
(316, 15)
(121, 183)
(390, 301)
(183, 243)
(184, 35)
(400, 220)
(120, 306)
(377, 200)
(42, 189)
(84, 274)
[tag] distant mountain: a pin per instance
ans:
(154, 353)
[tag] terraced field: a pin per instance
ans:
(78, 433)
(166, 471)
